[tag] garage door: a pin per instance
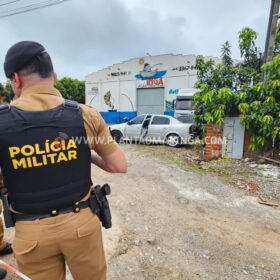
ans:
(150, 101)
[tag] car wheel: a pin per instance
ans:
(173, 140)
(117, 135)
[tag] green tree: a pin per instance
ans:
(260, 107)
(1, 90)
(204, 71)
(216, 75)
(4, 91)
(226, 55)
(258, 102)
(228, 70)
(71, 89)
(215, 81)
(249, 70)
(277, 41)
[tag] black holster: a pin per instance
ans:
(7, 213)
(100, 206)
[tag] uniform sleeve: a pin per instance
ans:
(99, 137)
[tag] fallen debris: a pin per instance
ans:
(253, 187)
(152, 240)
(269, 159)
(268, 203)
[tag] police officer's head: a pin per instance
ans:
(27, 63)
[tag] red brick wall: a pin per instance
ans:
(246, 152)
(213, 150)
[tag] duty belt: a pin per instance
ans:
(30, 217)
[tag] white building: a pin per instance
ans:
(140, 85)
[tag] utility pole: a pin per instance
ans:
(271, 30)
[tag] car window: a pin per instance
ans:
(137, 120)
(160, 120)
(184, 104)
(186, 119)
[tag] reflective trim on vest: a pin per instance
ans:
(44, 158)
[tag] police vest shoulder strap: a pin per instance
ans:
(71, 104)
(5, 108)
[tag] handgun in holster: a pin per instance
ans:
(100, 205)
(7, 213)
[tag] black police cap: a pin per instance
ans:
(19, 55)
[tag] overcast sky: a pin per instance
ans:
(83, 36)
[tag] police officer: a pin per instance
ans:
(5, 247)
(47, 145)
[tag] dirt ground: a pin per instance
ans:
(174, 220)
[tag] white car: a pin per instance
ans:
(150, 128)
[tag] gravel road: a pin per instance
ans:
(173, 223)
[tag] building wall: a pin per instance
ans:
(122, 80)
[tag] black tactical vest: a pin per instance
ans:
(44, 157)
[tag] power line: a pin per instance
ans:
(8, 3)
(32, 7)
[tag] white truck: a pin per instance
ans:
(184, 104)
